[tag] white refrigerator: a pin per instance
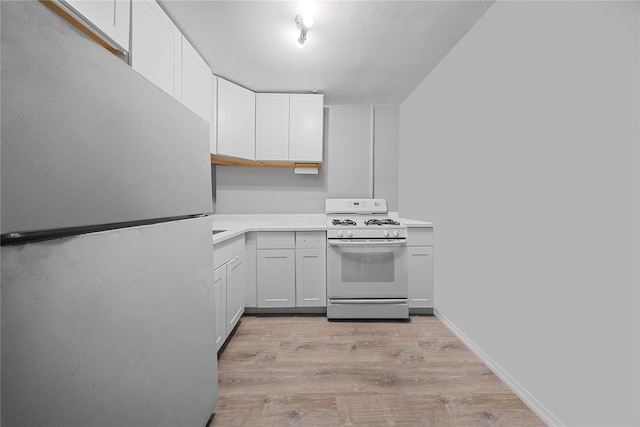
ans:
(107, 315)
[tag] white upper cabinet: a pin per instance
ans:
(197, 82)
(109, 16)
(272, 126)
(156, 45)
(236, 120)
(289, 127)
(214, 115)
(305, 127)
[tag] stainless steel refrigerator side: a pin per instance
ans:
(86, 139)
(113, 327)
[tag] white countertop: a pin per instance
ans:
(236, 224)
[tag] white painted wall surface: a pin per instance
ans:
(385, 158)
(522, 148)
(86, 139)
(110, 329)
(345, 173)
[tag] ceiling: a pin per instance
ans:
(357, 52)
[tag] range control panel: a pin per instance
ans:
(363, 206)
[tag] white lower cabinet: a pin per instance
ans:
(229, 282)
(311, 277)
(420, 252)
(276, 278)
(291, 269)
(236, 277)
(219, 301)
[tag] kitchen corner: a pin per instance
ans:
(278, 264)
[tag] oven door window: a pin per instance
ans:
(368, 267)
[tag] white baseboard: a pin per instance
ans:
(510, 382)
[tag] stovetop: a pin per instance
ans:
(364, 227)
(339, 221)
(361, 218)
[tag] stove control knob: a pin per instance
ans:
(395, 233)
(349, 233)
(385, 233)
(340, 234)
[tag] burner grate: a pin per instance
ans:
(386, 221)
(343, 222)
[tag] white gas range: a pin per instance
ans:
(366, 261)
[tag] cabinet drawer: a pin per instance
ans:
(276, 240)
(311, 239)
(420, 237)
(223, 252)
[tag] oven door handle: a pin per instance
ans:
(385, 242)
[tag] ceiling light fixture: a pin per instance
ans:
(304, 23)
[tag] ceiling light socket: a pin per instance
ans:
(303, 30)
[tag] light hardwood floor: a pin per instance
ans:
(307, 371)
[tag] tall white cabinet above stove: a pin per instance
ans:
(289, 127)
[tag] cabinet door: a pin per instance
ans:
(311, 277)
(220, 304)
(272, 126)
(276, 279)
(305, 127)
(156, 46)
(236, 120)
(196, 81)
(111, 17)
(236, 277)
(214, 115)
(420, 276)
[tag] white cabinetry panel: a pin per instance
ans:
(236, 120)
(272, 126)
(220, 304)
(236, 277)
(156, 45)
(197, 81)
(305, 127)
(276, 278)
(230, 276)
(109, 16)
(214, 115)
(420, 253)
(311, 279)
(291, 269)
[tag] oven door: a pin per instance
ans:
(367, 268)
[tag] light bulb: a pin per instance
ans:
(307, 20)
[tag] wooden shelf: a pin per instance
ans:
(234, 161)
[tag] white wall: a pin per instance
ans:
(346, 172)
(348, 169)
(522, 147)
(386, 135)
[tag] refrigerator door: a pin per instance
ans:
(114, 328)
(87, 140)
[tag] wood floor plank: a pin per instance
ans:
(307, 371)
